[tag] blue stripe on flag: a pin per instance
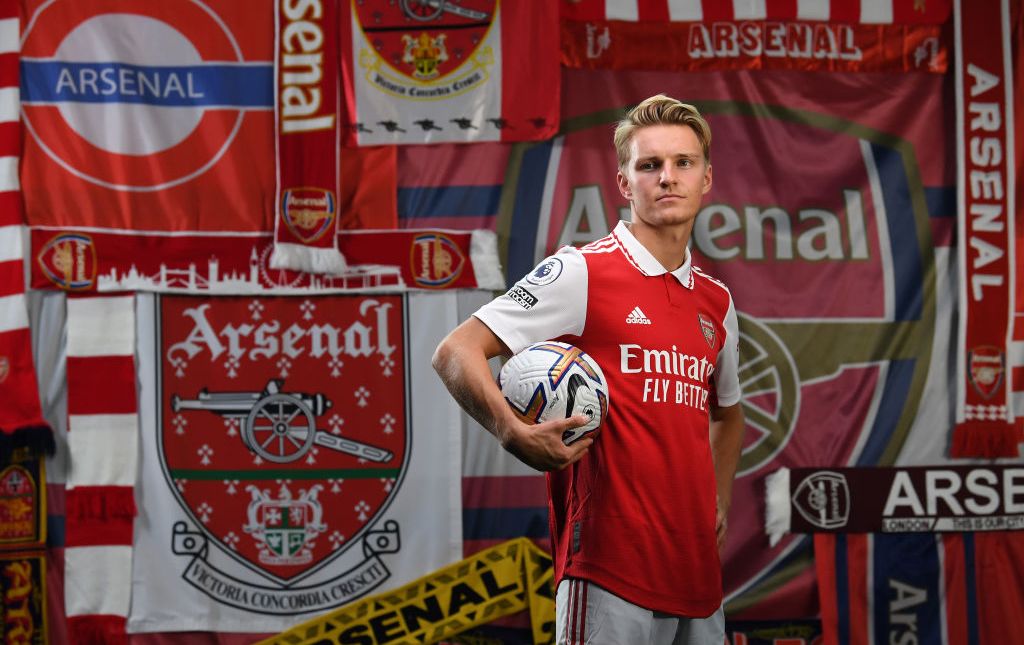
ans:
(522, 238)
(55, 531)
(941, 200)
(842, 589)
(448, 201)
(504, 523)
(907, 579)
(906, 255)
(213, 85)
(973, 637)
(897, 384)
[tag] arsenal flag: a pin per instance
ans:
(920, 588)
(190, 87)
(431, 72)
(296, 456)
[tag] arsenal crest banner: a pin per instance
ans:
(298, 454)
(431, 72)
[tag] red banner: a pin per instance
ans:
(807, 46)
(97, 260)
(307, 137)
(986, 215)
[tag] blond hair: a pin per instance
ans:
(660, 110)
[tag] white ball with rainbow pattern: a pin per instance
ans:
(554, 380)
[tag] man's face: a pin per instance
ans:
(666, 176)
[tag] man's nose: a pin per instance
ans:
(668, 175)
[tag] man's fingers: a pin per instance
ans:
(576, 421)
(578, 449)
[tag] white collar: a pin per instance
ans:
(644, 261)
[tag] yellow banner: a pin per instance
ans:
(492, 583)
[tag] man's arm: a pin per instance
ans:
(461, 362)
(726, 445)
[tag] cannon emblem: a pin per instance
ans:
(279, 426)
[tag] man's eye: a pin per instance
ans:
(685, 163)
(647, 165)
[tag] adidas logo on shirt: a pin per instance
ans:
(637, 317)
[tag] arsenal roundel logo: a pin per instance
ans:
(165, 85)
(284, 436)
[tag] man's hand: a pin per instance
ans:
(726, 435)
(721, 525)
(461, 363)
(540, 446)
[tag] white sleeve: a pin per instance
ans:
(548, 302)
(727, 381)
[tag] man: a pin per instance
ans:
(638, 513)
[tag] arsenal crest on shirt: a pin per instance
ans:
(284, 436)
(707, 328)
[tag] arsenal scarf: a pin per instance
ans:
(21, 420)
(986, 176)
(306, 131)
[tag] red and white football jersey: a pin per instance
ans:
(636, 515)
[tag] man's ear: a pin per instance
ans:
(623, 183)
(707, 181)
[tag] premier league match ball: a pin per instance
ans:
(553, 380)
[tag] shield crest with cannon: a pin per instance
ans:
(284, 425)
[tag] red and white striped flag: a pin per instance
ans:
(102, 451)
(21, 420)
(846, 11)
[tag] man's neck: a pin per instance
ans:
(666, 244)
